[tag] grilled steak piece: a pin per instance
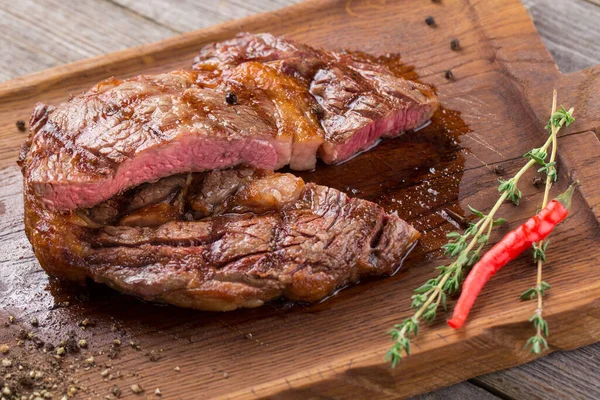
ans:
(257, 100)
(359, 99)
(259, 236)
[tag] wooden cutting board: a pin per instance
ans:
(502, 89)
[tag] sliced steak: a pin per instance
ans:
(257, 100)
(270, 236)
(360, 99)
(124, 133)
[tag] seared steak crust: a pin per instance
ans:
(269, 236)
(293, 103)
(359, 99)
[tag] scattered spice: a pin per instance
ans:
(318, 110)
(158, 392)
(11, 319)
(6, 362)
(116, 342)
(83, 344)
(455, 44)
(105, 373)
(4, 348)
(153, 356)
(85, 323)
(176, 369)
(72, 391)
(22, 334)
(90, 360)
(37, 342)
(134, 345)
(137, 389)
(430, 21)
(499, 170)
(225, 375)
(21, 125)
(60, 304)
(35, 323)
(116, 391)
(60, 351)
(449, 75)
(538, 182)
(231, 98)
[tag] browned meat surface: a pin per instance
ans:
(359, 99)
(221, 240)
(256, 100)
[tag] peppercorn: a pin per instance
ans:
(21, 125)
(430, 21)
(537, 182)
(231, 98)
(499, 170)
(455, 44)
(449, 75)
(318, 110)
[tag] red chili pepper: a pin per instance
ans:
(506, 250)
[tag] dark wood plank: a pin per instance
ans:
(564, 375)
(569, 29)
(52, 32)
(461, 391)
(189, 15)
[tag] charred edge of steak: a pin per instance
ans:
(258, 236)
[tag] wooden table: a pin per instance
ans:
(45, 33)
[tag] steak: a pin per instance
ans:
(256, 100)
(221, 240)
(359, 99)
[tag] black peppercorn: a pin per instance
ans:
(499, 170)
(455, 44)
(231, 98)
(449, 75)
(537, 182)
(21, 125)
(318, 110)
(430, 21)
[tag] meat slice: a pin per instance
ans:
(124, 133)
(360, 99)
(270, 236)
(257, 100)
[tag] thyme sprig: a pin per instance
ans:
(466, 248)
(538, 343)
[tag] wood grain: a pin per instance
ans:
(569, 29)
(502, 73)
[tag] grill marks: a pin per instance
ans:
(116, 187)
(292, 104)
(303, 245)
